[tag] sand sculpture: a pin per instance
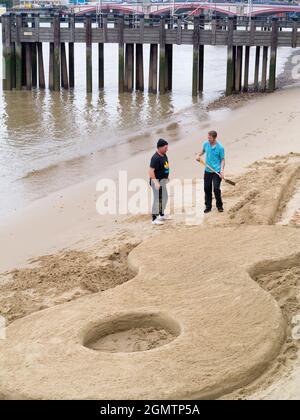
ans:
(183, 327)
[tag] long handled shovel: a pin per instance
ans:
(209, 167)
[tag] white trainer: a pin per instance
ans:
(163, 218)
(157, 222)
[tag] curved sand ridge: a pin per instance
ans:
(227, 328)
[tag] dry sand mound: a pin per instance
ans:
(224, 328)
(261, 194)
(59, 278)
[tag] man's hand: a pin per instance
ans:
(156, 184)
(222, 174)
(198, 157)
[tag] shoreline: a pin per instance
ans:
(174, 129)
(76, 203)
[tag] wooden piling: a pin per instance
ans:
(18, 52)
(88, 43)
(23, 54)
(7, 52)
(34, 64)
(169, 67)
(139, 76)
(246, 68)
(238, 72)
(28, 66)
(100, 66)
(273, 55)
(230, 59)
(162, 56)
(129, 68)
(56, 52)
(13, 66)
(264, 69)
(64, 68)
(121, 54)
(41, 65)
(256, 70)
(51, 66)
(195, 76)
(201, 68)
(71, 50)
(152, 87)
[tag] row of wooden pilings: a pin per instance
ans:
(234, 82)
(24, 65)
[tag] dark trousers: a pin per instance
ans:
(160, 199)
(212, 180)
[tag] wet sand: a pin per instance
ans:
(66, 239)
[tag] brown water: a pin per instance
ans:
(50, 140)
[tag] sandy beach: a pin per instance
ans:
(59, 258)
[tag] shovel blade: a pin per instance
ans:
(229, 182)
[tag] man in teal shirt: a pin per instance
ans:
(215, 158)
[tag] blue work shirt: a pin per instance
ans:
(214, 155)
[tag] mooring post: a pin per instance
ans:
(64, 68)
(162, 56)
(238, 72)
(56, 52)
(230, 58)
(246, 68)
(264, 69)
(273, 55)
(195, 77)
(7, 52)
(18, 51)
(256, 71)
(88, 46)
(71, 50)
(41, 65)
(121, 54)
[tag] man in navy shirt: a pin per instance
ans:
(159, 175)
(215, 158)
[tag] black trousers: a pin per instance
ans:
(212, 180)
(160, 199)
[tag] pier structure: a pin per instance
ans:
(25, 35)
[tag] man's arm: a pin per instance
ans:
(222, 168)
(198, 156)
(222, 156)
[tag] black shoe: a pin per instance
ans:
(220, 209)
(207, 210)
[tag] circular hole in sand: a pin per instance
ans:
(132, 333)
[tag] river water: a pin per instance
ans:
(48, 139)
